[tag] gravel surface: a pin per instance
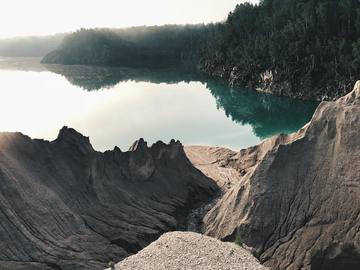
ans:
(190, 251)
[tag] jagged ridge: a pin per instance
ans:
(65, 206)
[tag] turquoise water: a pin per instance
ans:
(116, 106)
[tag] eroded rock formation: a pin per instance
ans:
(298, 203)
(65, 206)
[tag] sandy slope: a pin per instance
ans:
(190, 251)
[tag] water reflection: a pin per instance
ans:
(268, 115)
(154, 104)
(98, 77)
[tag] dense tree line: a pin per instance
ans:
(157, 46)
(311, 44)
(311, 48)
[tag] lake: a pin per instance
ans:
(116, 106)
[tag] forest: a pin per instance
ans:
(156, 46)
(311, 48)
(309, 45)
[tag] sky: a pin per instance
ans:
(42, 17)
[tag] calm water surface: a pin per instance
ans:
(116, 106)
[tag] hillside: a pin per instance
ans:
(307, 49)
(155, 46)
(294, 199)
(65, 206)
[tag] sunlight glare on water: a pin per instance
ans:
(40, 103)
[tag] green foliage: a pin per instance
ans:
(239, 241)
(356, 54)
(313, 39)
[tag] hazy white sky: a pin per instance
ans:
(40, 17)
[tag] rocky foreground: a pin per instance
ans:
(65, 206)
(190, 251)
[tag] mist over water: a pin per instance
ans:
(116, 106)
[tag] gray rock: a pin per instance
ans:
(65, 206)
(298, 204)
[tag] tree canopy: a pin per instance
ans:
(317, 41)
(157, 46)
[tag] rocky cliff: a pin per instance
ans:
(65, 206)
(296, 199)
(277, 82)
